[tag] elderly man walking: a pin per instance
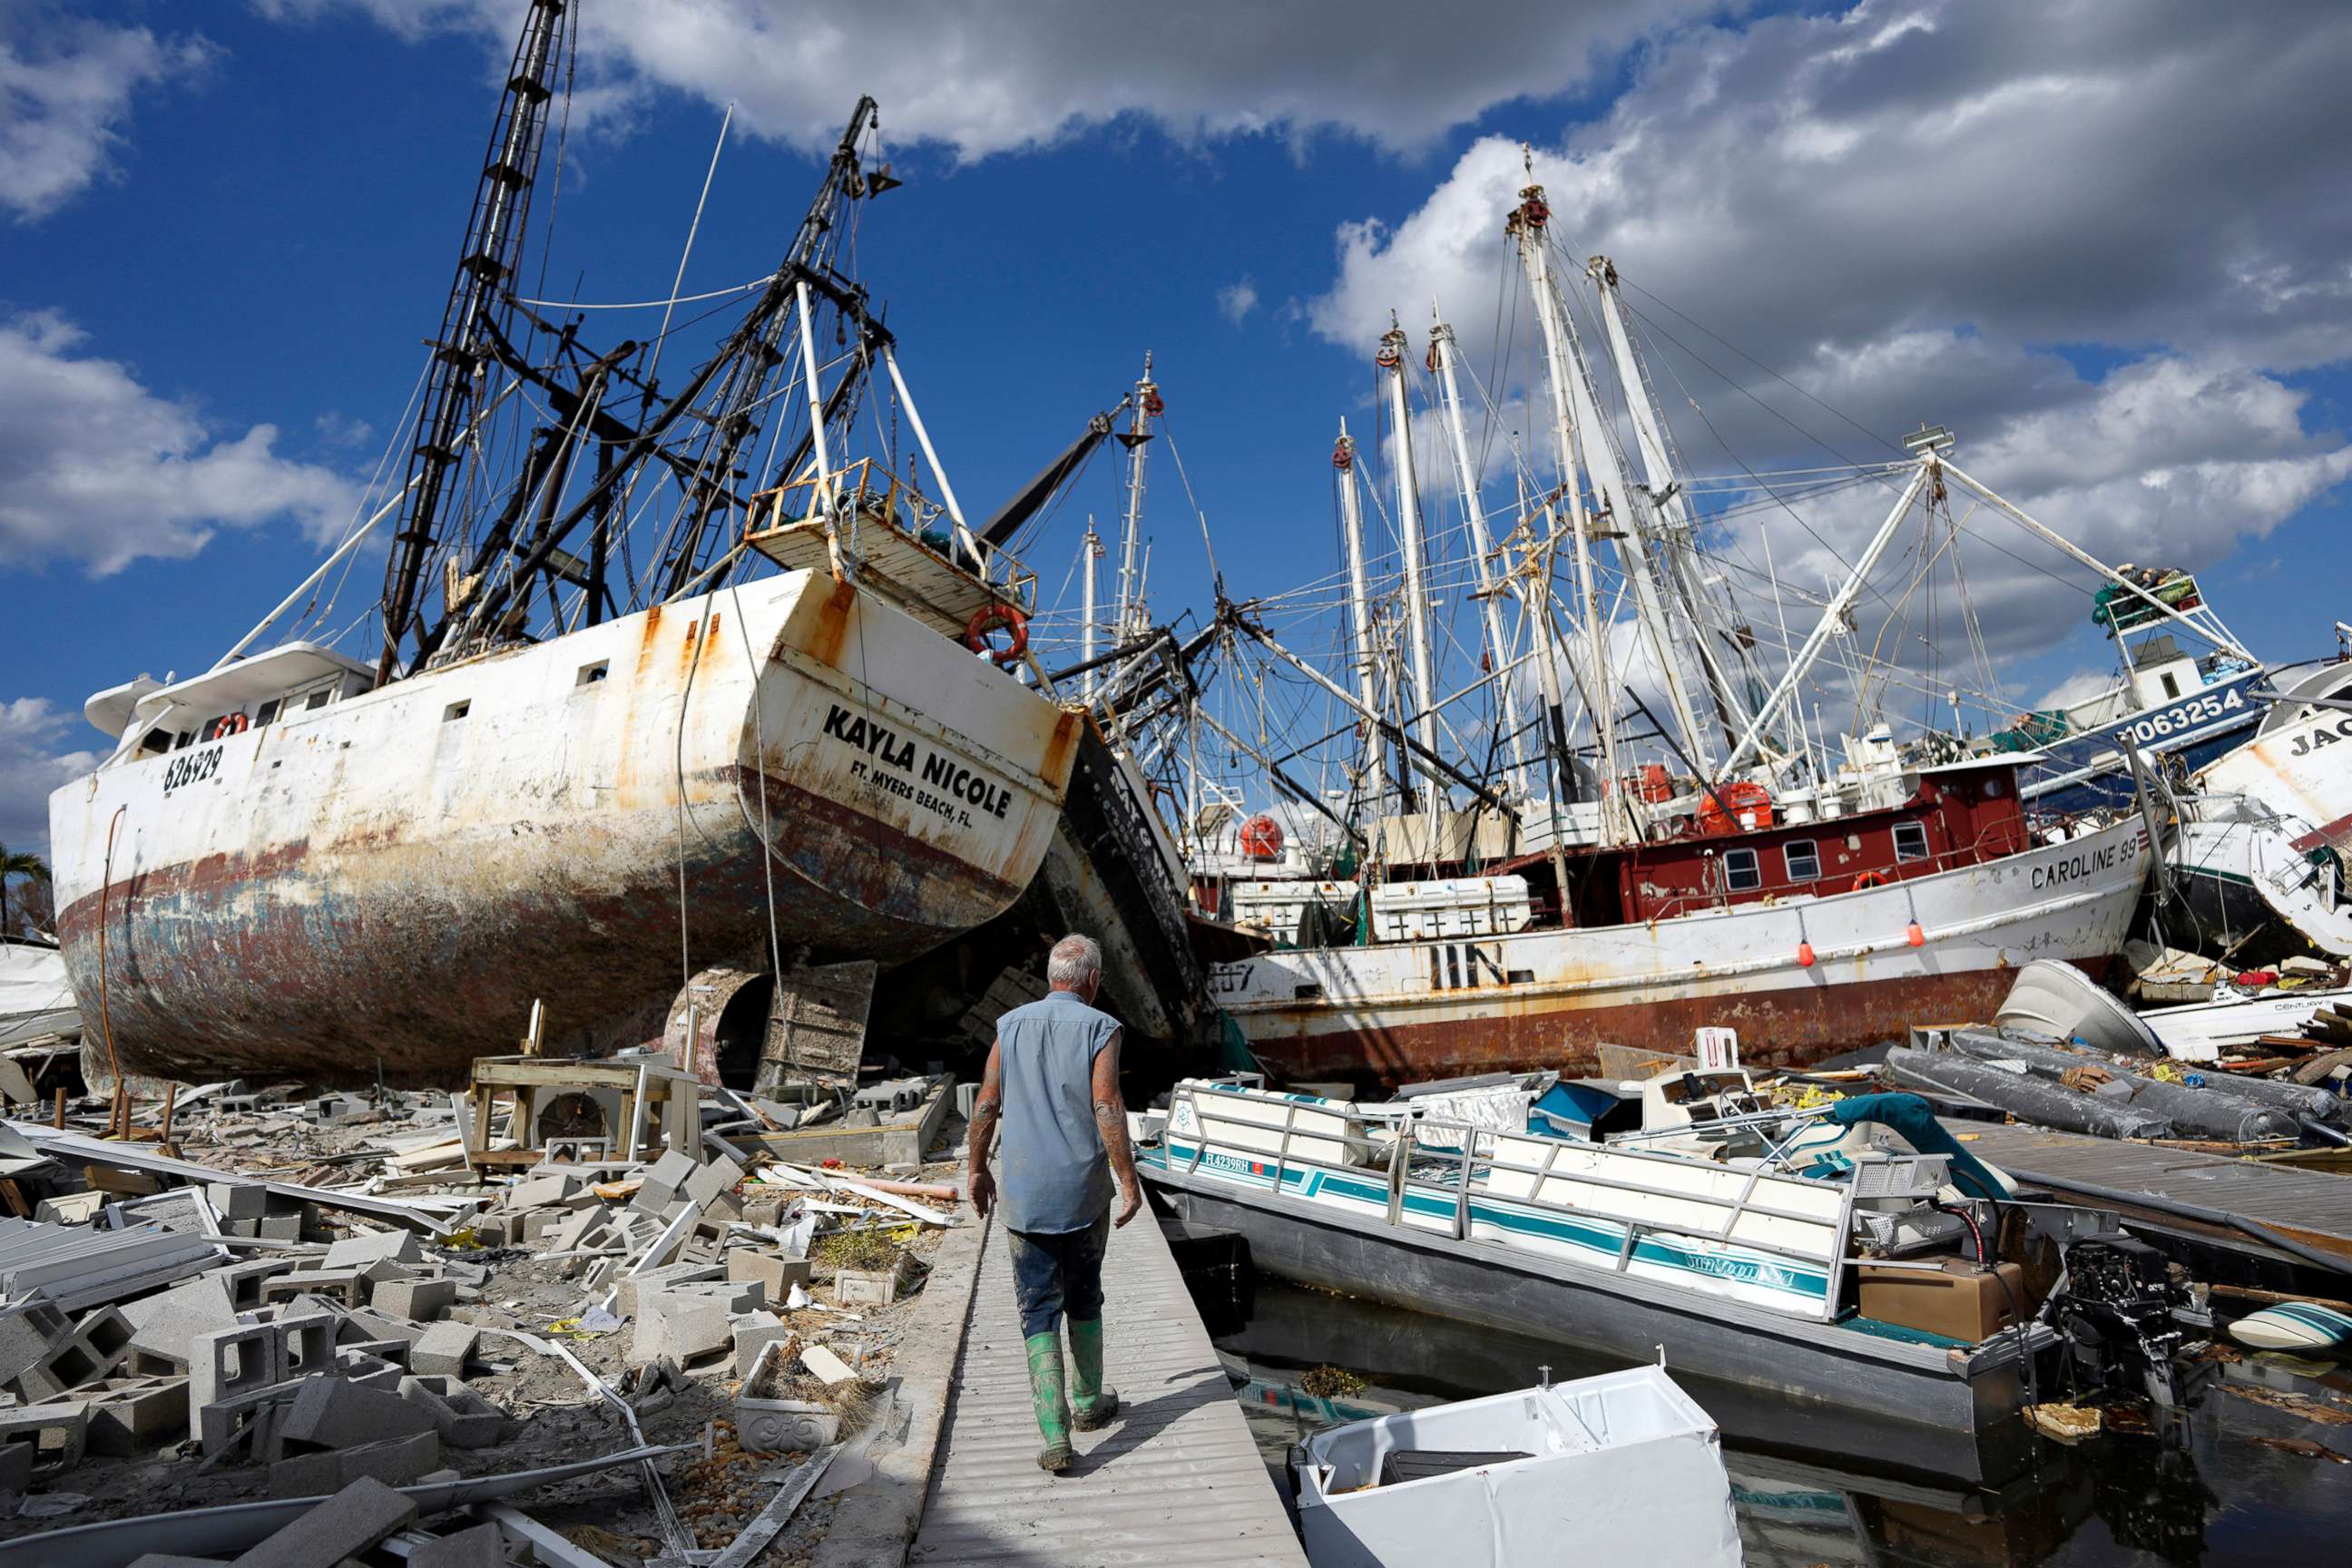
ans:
(1052, 1081)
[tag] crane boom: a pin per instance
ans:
(495, 231)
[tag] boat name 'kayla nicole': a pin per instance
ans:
(938, 771)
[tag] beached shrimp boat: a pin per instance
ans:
(1811, 937)
(565, 778)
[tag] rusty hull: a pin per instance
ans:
(396, 876)
(1785, 1028)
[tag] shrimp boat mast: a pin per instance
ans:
(1581, 896)
(666, 680)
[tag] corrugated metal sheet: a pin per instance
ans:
(1176, 1480)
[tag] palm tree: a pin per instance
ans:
(23, 864)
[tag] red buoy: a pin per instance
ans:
(1915, 936)
(1804, 955)
(1260, 837)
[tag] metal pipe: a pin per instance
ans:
(824, 490)
(923, 439)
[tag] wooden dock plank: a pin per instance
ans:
(2314, 1206)
(1176, 1480)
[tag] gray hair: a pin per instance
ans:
(1074, 960)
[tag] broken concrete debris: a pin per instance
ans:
(312, 1302)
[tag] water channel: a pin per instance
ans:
(2238, 1482)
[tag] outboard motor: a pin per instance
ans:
(2126, 1320)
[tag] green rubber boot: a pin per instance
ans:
(1052, 1409)
(1093, 1404)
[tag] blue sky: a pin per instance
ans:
(246, 224)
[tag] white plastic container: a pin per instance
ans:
(1621, 1469)
(1454, 907)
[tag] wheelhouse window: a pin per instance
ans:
(1910, 841)
(1741, 871)
(1804, 860)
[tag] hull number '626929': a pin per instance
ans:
(191, 767)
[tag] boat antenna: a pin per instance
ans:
(479, 302)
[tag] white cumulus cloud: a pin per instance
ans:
(66, 93)
(1237, 300)
(96, 469)
(987, 79)
(35, 760)
(1917, 210)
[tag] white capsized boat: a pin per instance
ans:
(37, 998)
(1622, 1468)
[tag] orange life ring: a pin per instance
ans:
(1871, 879)
(988, 619)
(227, 724)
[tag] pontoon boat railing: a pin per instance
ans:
(1479, 1149)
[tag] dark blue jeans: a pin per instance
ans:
(1055, 1273)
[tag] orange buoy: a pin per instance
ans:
(1804, 955)
(1915, 936)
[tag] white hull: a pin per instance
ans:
(37, 999)
(2202, 1031)
(400, 874)
(1549, 997)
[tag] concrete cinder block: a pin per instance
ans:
(533, 1192)
(138, 1415)
(367, 1325)
(238, 1200)
(397, 1462)
(346, 1287)
(94, 1347)
(634, 1287)
(443, 1350)
(362, 1515)
(679, 1325)
(27, 1332)
(57, 1431)
(306, 1342)
(328, 1413)
(735, 1295)
(163, 1326)
(463, 1417)
(245, 1418)
(227, 1362)
(375, 1246)
(418, 1300)
(708, 1180)
(773, 1271)
(496, 1229)
(670, 1171)
(480, 1547)
(361, 1370)
(15, 1471)
(244, 1280)
(753, 1334)
(284, 1226)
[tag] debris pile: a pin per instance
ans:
(351, 1328)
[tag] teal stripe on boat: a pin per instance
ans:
(1603, 1238)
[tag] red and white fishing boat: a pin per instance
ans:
(1627, 869)
(1808, 937)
